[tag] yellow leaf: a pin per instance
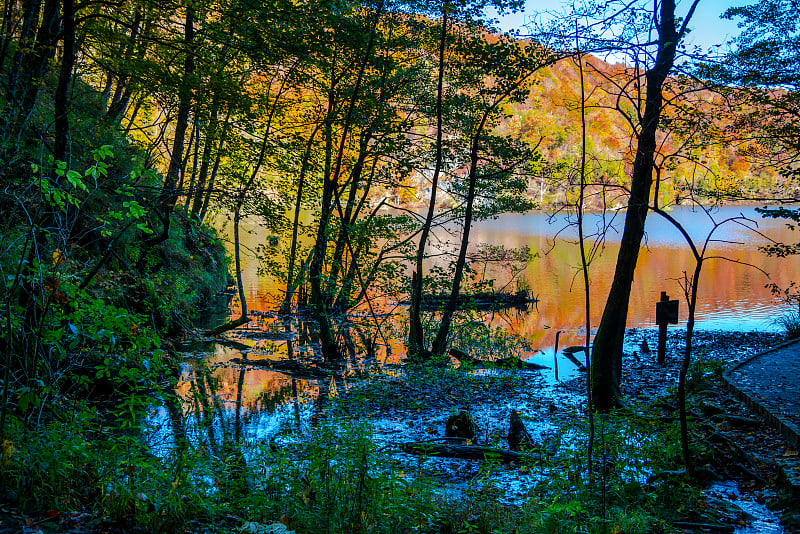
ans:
(8, 452)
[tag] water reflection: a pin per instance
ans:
(268, 380)
(732, 295)
(271, 376)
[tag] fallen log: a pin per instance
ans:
(569, 352)
(480, 301)
(467, 452)
(230, 325)
(703, 526)
(505, 363)
(517, 363)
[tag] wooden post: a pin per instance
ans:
(666, 313)
(555, 355)
(662, 335)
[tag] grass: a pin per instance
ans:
(790, 325)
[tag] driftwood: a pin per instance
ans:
(703, 526)
(569, 352)
(467, 452)
(290, 367)
(230, 325)
(269, 336)
(506, 363)
(482, 300)
(232, 343)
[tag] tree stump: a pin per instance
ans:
(518, 435)
(460, 425)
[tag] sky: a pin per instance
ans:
(708, 28)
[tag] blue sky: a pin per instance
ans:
(708, 28)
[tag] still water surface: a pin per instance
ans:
(732, 293)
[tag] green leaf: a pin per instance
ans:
(76, 179)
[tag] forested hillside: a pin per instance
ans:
(697, 159)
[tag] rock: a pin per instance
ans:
(251, 527)
(460, 425)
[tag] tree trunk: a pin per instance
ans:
(440, 342)
(30, 72)
(64, 79)
(344, 299)
(124, 88)
(6, 29)
(416, 335)
(330, 350)
(30, 18)
(330, 193)
(347, 220)
(170, 190)
(189, 191)
(213, 178)
(196, 195)
(585, 271)
(607, 349)
(290, 282)
(687, 358)
(237, 212)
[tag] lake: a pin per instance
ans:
(732, 293)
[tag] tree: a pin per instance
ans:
(766, 62)
(506, 67)
(763, 74)
(483, 74)
(186, 91)
(607, 347)
(416, 336)
(25, 76)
